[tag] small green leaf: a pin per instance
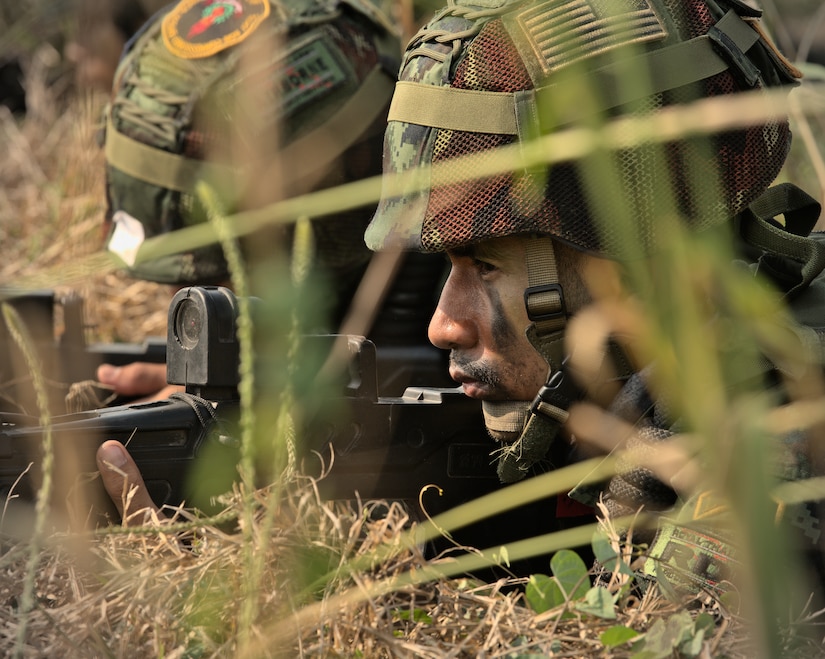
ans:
(571, 572)
(665, 636)
(598, 602)
(607, 556)
(703, 625)
(704, 622)
(417, 615)
(502, 557)
(617, 635)
(657, 644)
(543, 593)
(691, 647)
(680, 627)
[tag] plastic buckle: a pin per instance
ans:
(550, 387)
(542, 317)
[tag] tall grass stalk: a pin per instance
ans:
(246, 388)
(702, 117)
(20, 334)
(699, 343)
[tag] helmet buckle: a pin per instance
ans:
(541, 307)
(556, 396)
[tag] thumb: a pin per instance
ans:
(124, 483)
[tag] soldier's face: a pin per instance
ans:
(481, 319)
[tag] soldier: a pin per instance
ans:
(475, 81)
(177, 112)
(478, 79)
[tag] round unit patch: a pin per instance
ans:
(200, 28)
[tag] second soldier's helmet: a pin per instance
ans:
(322, 72)
(484, 75)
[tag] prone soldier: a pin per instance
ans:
(523, 244)
(536, 253)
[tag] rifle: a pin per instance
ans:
(373, 447)
(383, 446)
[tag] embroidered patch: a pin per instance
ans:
(201, 28)
(557, 33)
(311, 71)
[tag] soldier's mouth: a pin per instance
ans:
(472, 387)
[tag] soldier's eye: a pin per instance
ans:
(483, 267)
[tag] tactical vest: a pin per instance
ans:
(693, 550)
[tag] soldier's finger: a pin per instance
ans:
(124, 483)
(136, 379)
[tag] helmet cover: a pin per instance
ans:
(328, 79)
(479, 72)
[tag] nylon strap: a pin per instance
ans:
(503, 113)
(543, 298)
(156, 166)
(544, 302)
(304, 156)
(800, 209)
(801, 212)
(548, 412)
(342, 130)
(452, 108)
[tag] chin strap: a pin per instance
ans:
(529, 430)
(543, 420)
(544, 417)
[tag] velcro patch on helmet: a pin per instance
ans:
(554, 34)
(202, 28)
(311, 71)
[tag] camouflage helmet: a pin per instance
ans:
(483, 74)
(325, 69)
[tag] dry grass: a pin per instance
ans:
(156, 593)
(162, 591)
(52, 203)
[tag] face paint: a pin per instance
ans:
(481, 319)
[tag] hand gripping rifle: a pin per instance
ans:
(66, 357)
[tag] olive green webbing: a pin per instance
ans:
(801, 212)
(330, 140)
(542, 298)
(547, 337)
(495, 112)
(452, 108)
(547, 414)
(156, 166)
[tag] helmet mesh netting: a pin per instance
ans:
(735, 166)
